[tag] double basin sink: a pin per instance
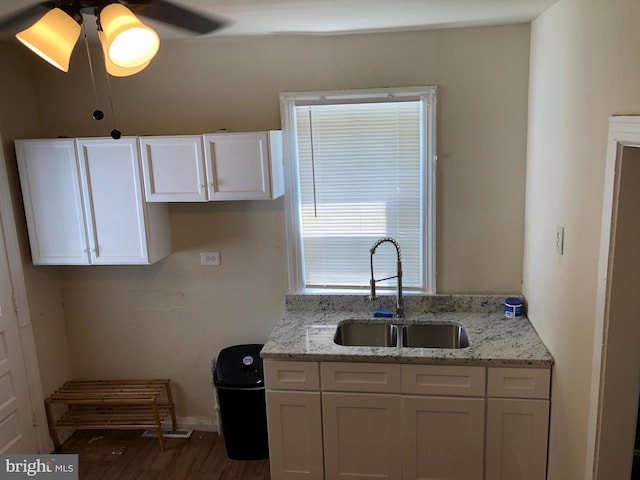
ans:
(389, 334)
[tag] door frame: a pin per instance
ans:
(624, 131)
(19, 293)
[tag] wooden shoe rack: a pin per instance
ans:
(103, 404)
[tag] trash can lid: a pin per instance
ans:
(239, 366)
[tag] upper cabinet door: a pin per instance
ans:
(114, 205)
(239, 165)
(49, 176)
(173, 168)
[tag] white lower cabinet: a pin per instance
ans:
(443, 437)
(362, 436)
(391, 421)
(443, 411)
(517, 439)
(295, 435)
(517, 427)
(294, 418)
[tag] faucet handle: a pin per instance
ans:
(373, 295)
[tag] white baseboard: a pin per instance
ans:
(203, 424)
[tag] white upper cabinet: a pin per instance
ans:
(218, 166)
(50, 179)
(84, 203)
(244, 166)
(174, 169)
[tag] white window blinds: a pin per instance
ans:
(359, 168)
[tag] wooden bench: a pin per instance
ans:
(118, 404)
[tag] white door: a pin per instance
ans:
(517, 432)
(237, 166)
(362, 436)
(443, 438)
(114, 203)
(17, 432)
(295, 435)
(173, 168)
(50, 180)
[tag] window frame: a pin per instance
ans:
(427, 95)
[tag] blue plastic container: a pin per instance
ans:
(512, 307)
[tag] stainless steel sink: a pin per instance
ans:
(366, 334)
(435, 336)
(355, 333)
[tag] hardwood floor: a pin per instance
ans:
(125, 455)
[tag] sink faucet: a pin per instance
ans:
(398, 275)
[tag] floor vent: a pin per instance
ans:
(153, 433)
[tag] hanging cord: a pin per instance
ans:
(97, 113)
(115, 133)
(313, 167)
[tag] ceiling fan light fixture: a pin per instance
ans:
(113, 69)
(128, 42)
(52, 37)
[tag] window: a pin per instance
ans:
(360, 166)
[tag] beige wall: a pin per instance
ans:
(171, 318)
(19, 118)
(234, 83)
(585, 66)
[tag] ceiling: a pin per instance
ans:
(324, 17)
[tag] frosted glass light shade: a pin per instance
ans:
(53, 38)
(112, 68)
(128, 42)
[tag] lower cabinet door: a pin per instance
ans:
(295, 435)
(362, 436)
(517, 433)
(443, 438)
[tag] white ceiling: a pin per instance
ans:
(257, 17)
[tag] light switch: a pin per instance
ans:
(560, 239)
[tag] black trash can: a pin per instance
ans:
(239, 379)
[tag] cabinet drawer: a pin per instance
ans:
(443, 380)
(360, 377)
(291, 375)
(519, 382)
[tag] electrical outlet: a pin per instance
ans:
(560, 239)
(210, 258)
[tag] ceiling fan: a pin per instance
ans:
(128, 44)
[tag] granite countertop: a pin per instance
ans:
(307, 327)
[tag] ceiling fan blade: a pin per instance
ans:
(178, 16)
(25, 17)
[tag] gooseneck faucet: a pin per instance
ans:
(398, 275)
